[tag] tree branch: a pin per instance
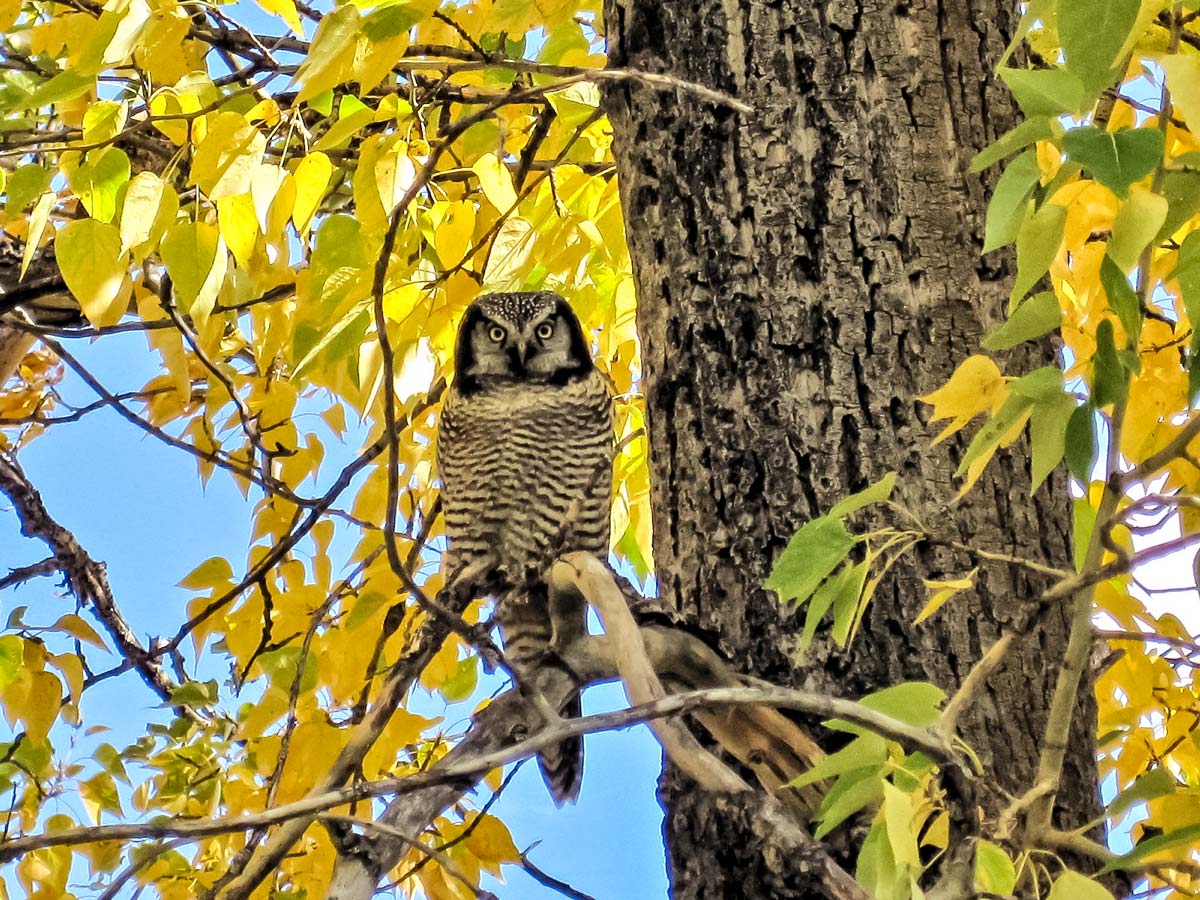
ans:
(87, 577)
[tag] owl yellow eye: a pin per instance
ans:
(544, 331)
(496, 333)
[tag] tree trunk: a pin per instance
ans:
(805, 272)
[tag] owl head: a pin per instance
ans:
(528, 336)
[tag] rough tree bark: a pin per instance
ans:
(804, 273)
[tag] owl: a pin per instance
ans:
(526, 435)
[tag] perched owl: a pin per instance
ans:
(526, 431)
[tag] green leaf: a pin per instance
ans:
(849, 794)
(66, 85)
(196, 262)
(12, 657)
(1179, 837)
(1044, 92)
(94, 267)
(391, 21)
(1109, 381)
(103, 121)
(867, 751)
(1083, 521)
(97, 180)
(914, 702)
(1073, 886)
(1092, 34)
(845, 604)
(280, 668)
(1182, 190)
(994, 871)
(813, 552)
(993, 430)
(843, 590)
(461, 684)
(24, 186)
(1040, 385)
(364, 608)
(330, 53)
(1079, 449)
(1158, 782)
(879, 492)
(1028, 132)
(1006, 209)
(1138, 221)
(1038, 242)
(194, 693)
(1115, 159)
(1122, 299)
(1032, 319)
(1035, 11)
(875, 869)
(1048, 436)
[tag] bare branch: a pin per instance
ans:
(21, 574)
(87, 578)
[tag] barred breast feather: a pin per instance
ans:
(514, 458)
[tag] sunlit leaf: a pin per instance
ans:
(94, 266)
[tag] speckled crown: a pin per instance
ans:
(518, 307)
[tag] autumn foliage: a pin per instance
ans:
(294, 205)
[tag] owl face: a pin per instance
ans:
(531, 336)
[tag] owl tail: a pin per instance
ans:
(562, 764)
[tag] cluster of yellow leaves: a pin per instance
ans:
(239, 221)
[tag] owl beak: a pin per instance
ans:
(519, 354)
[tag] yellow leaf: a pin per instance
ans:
(37, 227)
(228, 157)
(312, 177)
(9, 10)
(394, 175)
(71, 667)
(400, 303)
(212, 573)
(943, 591)
(402, 729)
(331, 54)
(452, 239)
(95, 268)
(41, 705)
(975, 469)
(78, 628)
(239, 226)
(491, 843)
(495, 181)
(507, 261)
(149, 207)
(976, 386)
(163, 51)
(1183, 80)
(99, 795)
(164, 107)
(286, 10)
